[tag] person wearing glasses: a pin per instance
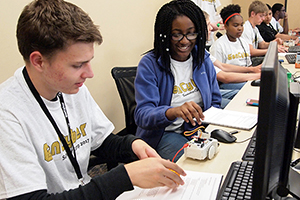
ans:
(278, 11)
(50, 123)
(258, 47)
(176, 80)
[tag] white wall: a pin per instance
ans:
(127, 29)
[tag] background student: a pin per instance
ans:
(231, 77)
(258, 47)
(279, 13)
(50, 123)
(216, 22)
(269, 33)
(176, 80)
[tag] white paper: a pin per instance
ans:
(230, 118)
(198, 185)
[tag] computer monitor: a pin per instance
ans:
(275, 130)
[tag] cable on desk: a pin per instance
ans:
(245, 140)
(184, 146)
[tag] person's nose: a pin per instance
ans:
(184, 40)
(88, 73)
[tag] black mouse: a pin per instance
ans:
(222, 136)
(255, 82)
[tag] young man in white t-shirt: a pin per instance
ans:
(50, 124)
(258, 47)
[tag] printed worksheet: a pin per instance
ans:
(198, 185)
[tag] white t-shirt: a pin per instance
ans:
(249, 35)
(32, 156)
(276, 25)
(213, 59)
(235, 53)
(210, 6)
(185, 89)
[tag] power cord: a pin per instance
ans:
(244, 140)
(184, 146)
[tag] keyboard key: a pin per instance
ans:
(238, 181)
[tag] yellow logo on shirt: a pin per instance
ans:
(237, 55)
(211, 1)
(184, 87)
(56, 147)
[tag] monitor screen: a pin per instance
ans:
(275, 129)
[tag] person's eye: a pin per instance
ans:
(77, 66)
(177, 35)
(192, 34)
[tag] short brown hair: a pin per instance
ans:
(49, 25)
(257, 7)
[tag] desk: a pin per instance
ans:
(290, 67)
(229, 153)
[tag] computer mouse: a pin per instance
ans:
(222, 136)
(255, 82)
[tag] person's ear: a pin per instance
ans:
(226, 26)
(252, 14)
(37, 60)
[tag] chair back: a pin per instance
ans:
(124, 78)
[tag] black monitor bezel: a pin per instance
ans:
(275, 130)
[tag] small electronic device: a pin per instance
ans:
(252, 102)
(255, 82)
(201, 148)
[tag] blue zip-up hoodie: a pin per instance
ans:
(153, 94)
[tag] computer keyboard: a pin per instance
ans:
(238, 181)
(250, 150)
(291, 58)
(294, 49)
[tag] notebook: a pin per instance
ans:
(229, 118)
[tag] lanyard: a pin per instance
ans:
(60, 135)
(244, 51)
(274, 32)
(255, 38)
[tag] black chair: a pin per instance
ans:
(124, 79)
